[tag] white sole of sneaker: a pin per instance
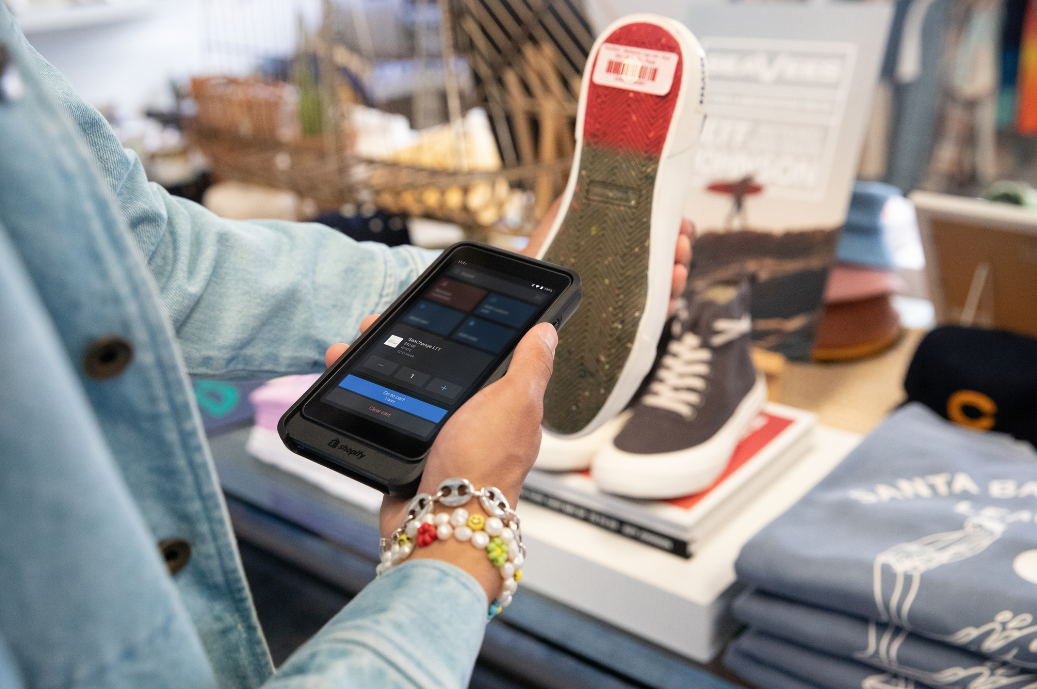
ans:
(679, 473)
(604, 355)
(559, 453)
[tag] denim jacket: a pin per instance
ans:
(111, 293)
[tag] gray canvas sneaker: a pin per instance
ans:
(703, 394)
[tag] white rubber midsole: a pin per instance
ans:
(565, 453)
(682, 472)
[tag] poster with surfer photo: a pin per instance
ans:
(788, 101)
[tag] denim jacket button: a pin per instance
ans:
(11, 86)
(107, 357)
(177, 553)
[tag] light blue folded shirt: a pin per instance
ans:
(925, 526)
(881, 646)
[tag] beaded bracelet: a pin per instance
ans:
(499, 534)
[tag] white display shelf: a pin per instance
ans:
(79, 16)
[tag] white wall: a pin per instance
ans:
(127, 66)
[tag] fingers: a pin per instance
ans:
(333, 353)
(682, 256)
(533, 360)
(338, 349)
(368, 322)
(680, 281)
(688, 229)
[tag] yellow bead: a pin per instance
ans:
(476, 522)
(403, 540)
(518, 575)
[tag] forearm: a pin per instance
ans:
(419, 625)
(247, 299)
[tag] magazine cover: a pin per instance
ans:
(779, 150)
(780, 435)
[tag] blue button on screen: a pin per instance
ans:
(393, 398)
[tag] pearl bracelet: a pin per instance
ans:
(499, 534)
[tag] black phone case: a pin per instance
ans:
(367, 463)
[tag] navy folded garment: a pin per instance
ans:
(882, 646)
(815, 668)
(925, 525)
(759, 674)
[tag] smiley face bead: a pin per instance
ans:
(476, 522)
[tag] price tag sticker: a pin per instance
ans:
(635, 69)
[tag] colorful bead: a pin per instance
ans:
(480, 539)
(462, 533)
(494, 610)
(494, 526)
(459, 517)
(404, 540)
(441, 519)
(518, 575)
(476, 522)
(444, 531)
(426, 535)
(497, 551)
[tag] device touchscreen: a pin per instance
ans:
(438, 350)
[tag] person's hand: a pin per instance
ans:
(492, 440)
(681, 258)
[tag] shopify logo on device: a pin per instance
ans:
(394, 340)
(342, 447)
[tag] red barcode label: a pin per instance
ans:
(639, 72)
(635, 69)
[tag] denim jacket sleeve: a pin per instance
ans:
(419, 625)
(247, 299)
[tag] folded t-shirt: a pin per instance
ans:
(803, 665)
(925, 525)
(761, 675)
(881, 646)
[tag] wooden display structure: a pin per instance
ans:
(527, 56)
(981, 261)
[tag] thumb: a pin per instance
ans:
(533, 360)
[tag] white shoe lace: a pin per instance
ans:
(682, 373)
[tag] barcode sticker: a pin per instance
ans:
(635, 69)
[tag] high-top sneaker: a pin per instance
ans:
(640, 115)
(703, 395)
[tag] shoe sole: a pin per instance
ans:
(619, 227)
(683, 472)
(575, 454)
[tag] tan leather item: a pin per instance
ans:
(858, 329)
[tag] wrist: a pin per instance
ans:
(464, 556)
(486, 542)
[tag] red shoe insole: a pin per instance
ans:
(629, 120)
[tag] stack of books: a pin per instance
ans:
(779, 436)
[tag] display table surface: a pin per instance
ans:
(594, 605)
(539, 641)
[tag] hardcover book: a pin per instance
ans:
(777, 437)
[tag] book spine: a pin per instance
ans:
(608, 522)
